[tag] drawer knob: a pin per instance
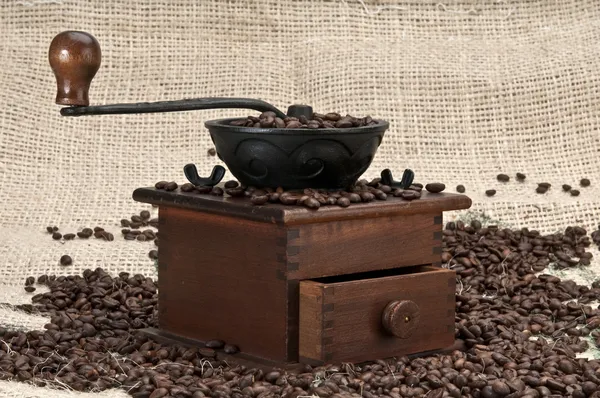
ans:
(401, 318)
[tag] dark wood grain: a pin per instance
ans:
(345, 313)
(218, 280)
(233, 271)
(74, 58)
(362, 244)
(294, 215)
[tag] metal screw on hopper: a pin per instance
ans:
(191, 173)
(407, 179)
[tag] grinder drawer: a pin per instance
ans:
(377, 314)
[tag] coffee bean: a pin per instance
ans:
(171, 186)
(575, 192)
(435, 187)
(343, 202)
(187, 187)
(343, 123)
(312, 203)
(30, 289)
(410, 195)
(267, 121)
(521, 177)
(203, 189)
(503, 177)
(541, 189)
(584, 182)
(294, 124)
(231, 184)
(51, 229)
(153, 254)
(215, 344)
(279, 123)
(212, 152)
(545, 185)
(57, 236)
(66, 260)
(566, 187)
(217, 191)
(259, 200)
(69, 236)
(490, 192)
(230, 349)
(460, 189)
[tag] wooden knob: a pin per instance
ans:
(401, 318)
(74, 58)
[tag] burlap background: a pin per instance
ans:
(470, 88)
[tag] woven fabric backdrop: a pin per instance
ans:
(470, 88)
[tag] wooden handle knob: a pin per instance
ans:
(74, 58)
(401, 318)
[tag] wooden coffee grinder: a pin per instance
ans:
(285, 283)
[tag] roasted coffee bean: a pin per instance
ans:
(312, 203)
(212, 152)
(503, 177)
(171, 186)
(541, 189)
(217, 191)
(575, 192)
(410, 195)
(435, 187)
(546, 185)
(259, 200)
(203, 189)
(30, 289)
(57, 236)
(231, 184)
(521, 177)
(29, 281)
(585, 182)
(69, 236)
(230, 349)
(460, 189)
(160, 185)
(490, 192)
(187, 187)
(66, 260)
(153, 254)
(566, 187)
(215, 344)
(51, 229)
(294, 124)
(343, 202)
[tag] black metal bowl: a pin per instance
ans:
(296, 158)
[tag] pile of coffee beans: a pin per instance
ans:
(318, 121)
(518, 331)
(362, 192)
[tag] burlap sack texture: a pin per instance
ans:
(471, 89)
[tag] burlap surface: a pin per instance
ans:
(470, 88)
